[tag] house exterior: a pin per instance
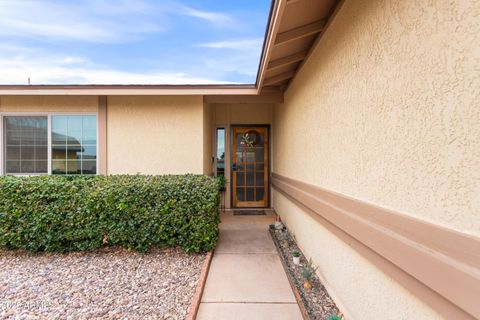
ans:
(362, 133)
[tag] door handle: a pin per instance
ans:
(234, 167)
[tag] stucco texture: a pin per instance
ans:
(237, 113)
(385, 110)
(155, 135)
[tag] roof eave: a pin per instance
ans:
(96, 90)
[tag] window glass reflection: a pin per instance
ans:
(220, 151)
(74, 144)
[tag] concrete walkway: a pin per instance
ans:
(246, 278)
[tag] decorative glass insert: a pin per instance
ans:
(220, 152)
(74, 144)
(26, 144)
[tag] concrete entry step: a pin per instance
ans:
(248, 311)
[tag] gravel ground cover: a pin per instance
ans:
(106, 284)
(318, 303)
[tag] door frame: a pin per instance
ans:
(269, 184)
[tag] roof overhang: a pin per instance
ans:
(106, 90)
(293, 29)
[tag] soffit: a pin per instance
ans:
(288, 44)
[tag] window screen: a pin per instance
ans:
(26, 144)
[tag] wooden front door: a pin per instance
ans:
(250, 167)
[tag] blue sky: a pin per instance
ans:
(131, 41)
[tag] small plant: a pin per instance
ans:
(308, 273)
(296, 257)
(222, 181)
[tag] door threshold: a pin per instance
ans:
(242, 212)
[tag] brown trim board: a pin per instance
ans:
(106, 90)
(102, 134)
(439, 265)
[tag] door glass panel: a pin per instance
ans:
(259, 155)
(240, 179)
(241, 194)
(259, 178)
(240, 157)
(260, 193)
(250, 156)
(250, 179)
(238, 139)
(250, 194)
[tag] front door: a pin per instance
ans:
(250, 167)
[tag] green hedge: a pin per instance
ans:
(57, 213)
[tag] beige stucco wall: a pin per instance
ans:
(155, 135)
(238, 113)
(385, 110)
(48, 104)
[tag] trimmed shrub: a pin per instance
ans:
(58, 213)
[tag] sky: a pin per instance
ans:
(131, 41)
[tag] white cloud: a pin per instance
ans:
(244, 44)
(17, 64)
(215, 18)
(30, 29)
(94, 20)
(86, 21)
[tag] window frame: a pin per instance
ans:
(224, 128)
(49, 116)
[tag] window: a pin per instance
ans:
(220, 152)
(56, 144)
(26, 145)
(74, 144)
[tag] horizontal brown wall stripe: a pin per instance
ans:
(443, 260)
